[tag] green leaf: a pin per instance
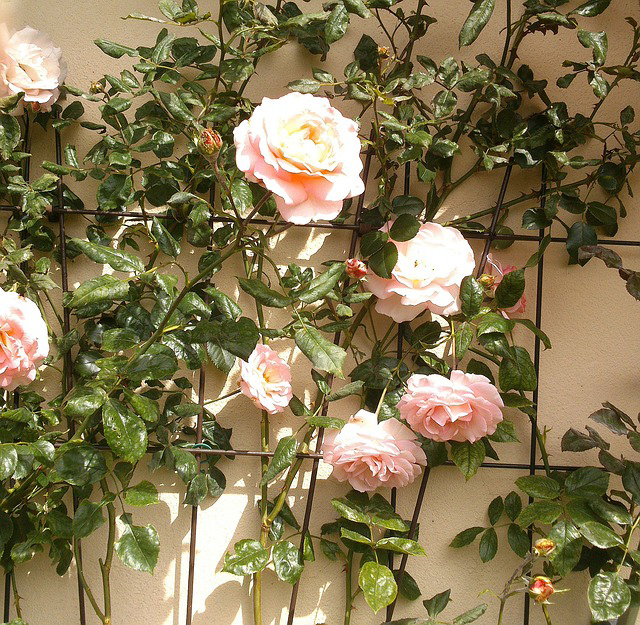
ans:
(527, 323)
(587, 482)
(118, 259)
(349, 511)
(249, 557)
(87, 519)
(468, 457)
(401, 545)
(197, 490)
(358, 7)
(263, 294)
(591, 9)
(383, 261)
(99, 290)
(282, 458)
(495, 510)
(9, 135)
(378, 585)
(437, 603)
(118, 339)
(512, 505)
(609, 597)
(597, 41)
(470, 615)
(164, 239)
(539, 486)
(471, 296)
(143, 494)
(476, 21)
(518, 540)
(125, 431)
(157, 363)
(84, 401)
(143, 406)
(323, 354)
(539, 512)
(80, 465)
(176, 106)
(322, 284)
(517, 371)
(332, 423)
(493, 322)
(600, 535)
(337, 24)
(580, 234)
(404, 227)
(488, 545)
(8, 461)
(237, 337)
(287, 562)
(139, 546)
(463, 338)
(114, 50)
(510, 289)
(566, 555)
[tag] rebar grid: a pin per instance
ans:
(58, 213)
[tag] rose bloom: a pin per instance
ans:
(369, 454)
(498, 272)
(544, 547)
(427, 274)
(463, 408)
(266, 379)
(31, 63)
(24, 340)
(541, 588)
(305, 152)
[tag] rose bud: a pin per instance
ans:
(543, 547)
(541, 588)
(487, 280)
(356, 269)
(209, 142)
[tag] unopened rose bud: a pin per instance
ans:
(487, 280)
(543, 547)
(96, 87)
(541, 588)
(209, 142)
(356, 269)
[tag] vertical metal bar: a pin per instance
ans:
(68, 364)
(536, 365)
(316, 462)
(194, 510)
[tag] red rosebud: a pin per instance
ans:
(356, 269)
(541, 588)
(209, 142)
(543, 546)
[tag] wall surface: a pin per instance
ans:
(591, 320)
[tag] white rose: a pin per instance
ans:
(31, 63)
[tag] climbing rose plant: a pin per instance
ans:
(424, 336)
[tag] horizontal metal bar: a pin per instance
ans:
(318, 456)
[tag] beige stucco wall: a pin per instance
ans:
(590, 318)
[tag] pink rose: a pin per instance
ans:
(305, 152)
(266, 379)
(31, 63)
(427, 275)
(495, 269)
(369, 454)
(463, 408)
(24, 340)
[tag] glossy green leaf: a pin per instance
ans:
(138, 546)
(287, 562)
(609, 597)
(378, 585)
(324, 355)
(249, 556)
(478, 18)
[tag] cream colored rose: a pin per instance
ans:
(31, 63)
(305, 152)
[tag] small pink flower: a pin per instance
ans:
(541, 588)
(31, 63)
(24, 340)
(463, 408)
(356, 269)
(305, 152)
(369, 454)
(427, 275)
(266, 380)
(498, 272)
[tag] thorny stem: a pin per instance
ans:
(16, 596)
(83, 582)
(545, 611)
(105, 567)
